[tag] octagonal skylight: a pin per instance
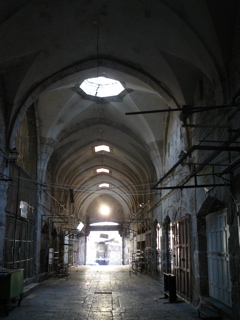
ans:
(101, 87)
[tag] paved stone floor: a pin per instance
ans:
(101, 293)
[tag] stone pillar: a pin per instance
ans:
(123, 250)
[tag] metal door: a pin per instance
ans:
(20, 223)
(218, 257)
(182, 261)
(18, 245)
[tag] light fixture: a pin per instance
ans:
(80, 226)
(206, 190)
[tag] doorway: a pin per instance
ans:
(182, 261)
(217, 231)
(104, 248)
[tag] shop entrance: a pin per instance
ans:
(182, 261)
(218, 257)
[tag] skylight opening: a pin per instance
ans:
(101, 87)
(104, 185)
(102, 170)
(102, 148)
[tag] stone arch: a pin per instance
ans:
(211, 204)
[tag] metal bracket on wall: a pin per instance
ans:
(202, 125)
(217, 150)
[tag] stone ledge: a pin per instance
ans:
(30, 288)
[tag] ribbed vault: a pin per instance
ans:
(159, 50)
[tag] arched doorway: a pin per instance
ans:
(182, 257)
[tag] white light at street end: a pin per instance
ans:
(104, 210)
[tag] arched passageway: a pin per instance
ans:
(153, 150)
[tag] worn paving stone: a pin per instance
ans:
(100, 293)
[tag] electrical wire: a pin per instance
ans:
(92, 189)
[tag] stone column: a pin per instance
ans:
(123, 250)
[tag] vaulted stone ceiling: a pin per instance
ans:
(158, 50)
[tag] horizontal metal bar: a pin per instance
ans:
(217, 148)
(209, 174)
(23, 260)
(215, 141)
(210, 164)
(152, 111)
(201, 125)
(60, 221)
(194, 186)
(184, 109)
(231, 166)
